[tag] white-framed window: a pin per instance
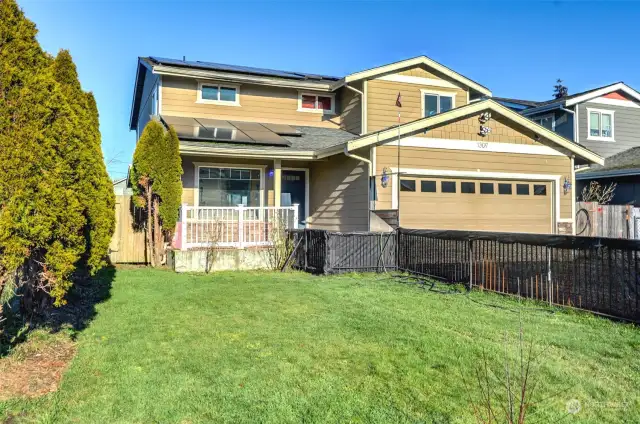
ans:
(600, 124)
(547, 121)
(437, 102)
(219, 94)
(316, 102)
(229, 186)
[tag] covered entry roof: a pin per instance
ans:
(388, 134)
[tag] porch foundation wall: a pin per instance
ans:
(224, 260)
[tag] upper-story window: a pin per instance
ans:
(600, 125)
(547, 121)
(434, 103)
(221, 94)
(320, 103)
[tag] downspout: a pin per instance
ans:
(352, 156)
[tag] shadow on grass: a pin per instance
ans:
(75, 316)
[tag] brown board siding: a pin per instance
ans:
(382, 111)
(463, 160)
(257, 103)
(339, 199)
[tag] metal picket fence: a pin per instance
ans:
(601, 275)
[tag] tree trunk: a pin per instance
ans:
(157, 232)
(150, 239)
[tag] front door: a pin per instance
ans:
(294, 191)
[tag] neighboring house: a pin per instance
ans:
(269, 139)
(623, 169)
(605, 120)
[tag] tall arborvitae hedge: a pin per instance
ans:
(51, 172)
(156, 180)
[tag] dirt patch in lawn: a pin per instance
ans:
(36, 367)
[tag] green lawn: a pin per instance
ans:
(270, 347)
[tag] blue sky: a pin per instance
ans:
(516, 49)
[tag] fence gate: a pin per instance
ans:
(128, 241)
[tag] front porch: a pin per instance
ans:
(233, 227)
(236, 203)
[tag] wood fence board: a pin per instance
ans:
(128, 244)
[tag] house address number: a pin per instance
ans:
(483, 144)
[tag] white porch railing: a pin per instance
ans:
(238, 227)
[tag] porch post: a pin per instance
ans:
(241, 226)
(296, 206)
(277, 182)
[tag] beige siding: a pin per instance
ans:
(463, 160)
(351, 109)
(382, 111)
(502, 131)
(339, 198)
(257, 103)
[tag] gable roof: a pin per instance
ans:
(470, 109)
(583, 96)
(407, 63)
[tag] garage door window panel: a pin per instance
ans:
(428, 186)
(539, 190)
(448, 187)
(505, 188)
(522, 189)
(407, 185)
(467, 187)
(486, 188)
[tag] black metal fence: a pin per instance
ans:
(597, 274)
(326, 252)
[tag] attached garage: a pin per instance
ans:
(479, 167)
(428, 202)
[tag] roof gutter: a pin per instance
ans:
(356, 157)
(540, 109)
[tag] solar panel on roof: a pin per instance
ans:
(205, 129)
(242, 69)
(282, 129)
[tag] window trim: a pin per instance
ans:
(196, 177)
(600, 112)
(202, 84)
(424, 92)
(332, 111)
(546, 115)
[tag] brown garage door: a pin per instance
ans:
(483, 205)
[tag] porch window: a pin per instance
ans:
(434, 103)
(229, 186)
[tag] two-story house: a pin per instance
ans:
(412, 143)
(606, 120)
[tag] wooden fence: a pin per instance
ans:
(613, 221)
(128, 241)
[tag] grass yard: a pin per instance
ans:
(278, 348)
